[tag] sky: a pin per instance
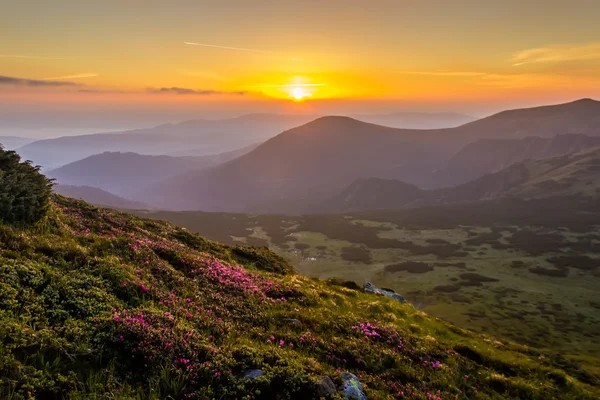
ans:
(73, 62)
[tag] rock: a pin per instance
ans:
(352, 388)
(370, 288)
(252, 374)
(292, 321)
(325, 387)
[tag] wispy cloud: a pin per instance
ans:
(27, 56)
(443, 73)
(590, 51)
(76, 76)
(9, 80)
(230, 48)
(201, 92)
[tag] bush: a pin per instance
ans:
(24, 191)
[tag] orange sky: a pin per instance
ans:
(245, 53)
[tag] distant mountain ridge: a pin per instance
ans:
(306, 165)
(194, 137)
(98, 197)
(486, 156)
(124, 174)
(574, 175)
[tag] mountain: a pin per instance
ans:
(293, 169)
(374, 193)
(490, 155)
(98, 196)
(191, 138)
(125, 173)
(575, 176)
(302, 167)
(415, 120)
(13, 142)
(119, 300)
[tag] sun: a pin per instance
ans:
(299, 94)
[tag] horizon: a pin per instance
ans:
(116, 65)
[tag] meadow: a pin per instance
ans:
(532, 283)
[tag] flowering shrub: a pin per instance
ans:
(106, 305)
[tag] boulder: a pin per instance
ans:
(325, 387)
(252, 374)
(370, 288)
(352, 388)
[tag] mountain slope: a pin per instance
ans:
(306, 165)
(13, 142)
(94, 302)
(491, 155)
(98, 196)
(125, 173)
(191, 138)
(297, 167)
(574, 175)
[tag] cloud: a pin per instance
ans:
(76, 76)
(230, 48)
(8, 80)
(443, 73)
(201, 92)
(590, 51)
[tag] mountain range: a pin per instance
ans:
(301, 168)
(98, 196)
(489, 155)
(124, 174)
(575, 175)
(187, 138)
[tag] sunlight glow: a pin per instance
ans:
(299, 94)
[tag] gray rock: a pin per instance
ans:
(252, 374)
(325, 387)
(352, 388)
(370, 288)
(293, 321)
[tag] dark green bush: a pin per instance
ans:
(24, 191)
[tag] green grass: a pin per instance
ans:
(525, 304)
(98, 304)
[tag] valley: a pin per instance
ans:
(466, 269)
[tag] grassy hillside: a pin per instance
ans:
(523, 270)
(96, 304)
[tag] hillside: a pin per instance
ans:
(574, 175)
(294, 169)
(98, 196)
(491, 155)
(94, 302)
(301, 167)
(187, 138)
(124, 174)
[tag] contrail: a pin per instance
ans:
(77, 76)
(230, 48)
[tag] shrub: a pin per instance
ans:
(24, 191)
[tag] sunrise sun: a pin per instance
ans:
(299, 94)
